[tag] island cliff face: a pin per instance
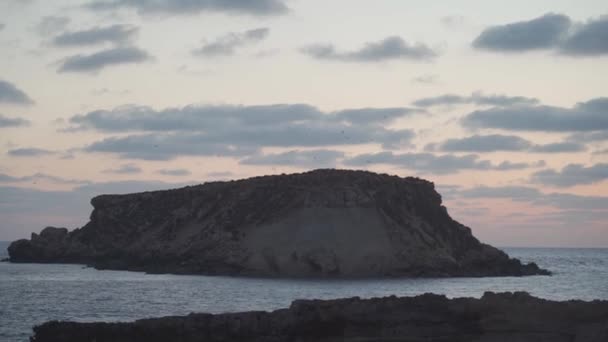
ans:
(323, 223)
(516, 317)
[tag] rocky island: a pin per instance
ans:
(322, 223)
(495, 317)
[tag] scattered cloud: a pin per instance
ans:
(103, 59)
(230, 130)
(390, 48)
(4, 178)
(452, 21)
(9, 93)
(551, 31)
(228, 44)
(540, 33)
(189, 7)
(430, 163)
(584, 116)
(50, 25)
(125, 169)
(588, 39)
(175, 172)
(485, 143)
(30, 152)
(532, 196)
(571, 175)
(426, 79)
(498, 142)
(116, 34)
(13, 122)
(313, 158)
(476, 98)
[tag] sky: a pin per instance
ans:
(504, 108)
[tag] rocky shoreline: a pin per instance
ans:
(322, 223)
(516, 317)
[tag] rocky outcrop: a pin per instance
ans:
(502, 317)
(323, 223)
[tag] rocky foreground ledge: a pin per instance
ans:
(323, 223)
(514, 317)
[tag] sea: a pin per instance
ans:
(31, 294)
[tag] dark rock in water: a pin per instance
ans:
(516, 317)
(323, 223)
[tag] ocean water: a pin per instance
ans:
(31, 294)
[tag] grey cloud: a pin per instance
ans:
(390, 48)
(238, 130)
(584, 116)
(189, 7)
(167, 146)
(485, 143)
(571, 175)
(498, 142)
(427, 162)
(174, 172)
(598, 152)
(4, 178)
(475, 98)
(103, 59)
(2, 26)
(541, 33)
(125, 169)
(50, 25)
(9, 93)
(533, 196)
(228, 44)
(551, 31)
(30, 152)
(561, 147)
(116, 34)
(12, 122)
(314, 158)
(589, 136)
(58, 208)
(589, 39)
(426, 79)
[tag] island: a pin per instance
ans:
(496, 317)
(321, 223)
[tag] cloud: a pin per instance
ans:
(453, 21)
(238, 130)
(9, 93)
(588, 39)
(174, 172)
(430, 163)
(4, 178)
(229, 43)
(12, 122)
(555, 32)
(541, 33)
(532, 196)
(59, 208)
(390, 48)
(485, 143)
(571, 175)
(189, 7)
(598, 152)
(116, 34)
(2, 26)
(426, 79)
(103, 59)
(125, 169)
(30, 152)
(561, 147)
(584, 116)
(50, 25)
(313, 158)
(498, 142)
(475, 98)
(589, 136)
